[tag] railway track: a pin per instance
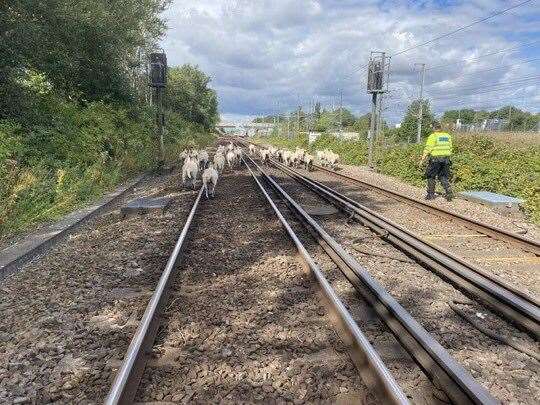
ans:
(447, 374)
(127, 379)
(514, 304)
(456, 382)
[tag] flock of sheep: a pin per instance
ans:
(195, 161)
(298, 157)
(198, 161)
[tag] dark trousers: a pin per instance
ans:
(438, 168)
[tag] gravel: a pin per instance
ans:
(509, 375)
(244, 324)
(67, 318)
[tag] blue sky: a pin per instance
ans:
(265, 55)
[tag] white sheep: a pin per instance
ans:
(231, 156)
(252, 149)
(238, 154)
(230, 146)
(190, 170)
(308, 161)
(265, 155)
(202, 157)
(210, 175)
(219, 162)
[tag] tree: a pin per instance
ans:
(465, 115)
(86, 49)
(409, 124)
(362, 124)
(317, 110)
(188, 94)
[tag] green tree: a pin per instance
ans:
(188, 95)
(87, 49)
(409, 124)
(362, 124)
(466, 115)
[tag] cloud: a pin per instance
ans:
(263, 52)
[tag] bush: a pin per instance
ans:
(73, 154)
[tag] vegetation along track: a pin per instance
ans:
(510, 374)
(455, 381)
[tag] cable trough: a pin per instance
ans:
(515, 305)
(447, 374)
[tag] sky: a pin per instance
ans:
(265, 56)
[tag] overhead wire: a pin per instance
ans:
(479, 57)
(497, 13)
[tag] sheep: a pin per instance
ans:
(252, 149)
(265, 155)
(238, 154)
(210, 175)
(202, 158)
(308, 161)
(298, 156)
(332, 159)
(230, 146)
(219, 162)
(231, 156)
(328, 158)
(287, 157)
(190, 170)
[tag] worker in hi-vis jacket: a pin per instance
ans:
(439, 149)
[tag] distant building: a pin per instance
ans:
(247, 129)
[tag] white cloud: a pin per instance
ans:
(261, 52)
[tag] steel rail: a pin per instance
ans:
(495, 232)
(372, 369)
(124, 387)
(451, 377)
(519, 308)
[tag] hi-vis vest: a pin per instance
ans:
(439, 144)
